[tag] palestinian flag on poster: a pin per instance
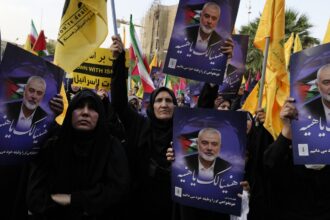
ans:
(14, 90)
(192, 13)
(308, 90)
(188, 142)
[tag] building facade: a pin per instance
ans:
(157, 29)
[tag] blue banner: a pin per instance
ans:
(199, 32)
(25, 115)
(209, 161)
(310, 86)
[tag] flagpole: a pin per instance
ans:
(114, 20)
(263, 75)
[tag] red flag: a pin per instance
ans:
(135, 71)
(131, 53)
(258, 76)
(182, 85)
(248, 81)
(176, 88)
(40, 43)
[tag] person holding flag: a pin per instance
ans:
(147, 141)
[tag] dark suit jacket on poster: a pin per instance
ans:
(192, 34)
(14, 108)
(316, 109)
(220, 165)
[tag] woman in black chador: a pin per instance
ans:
(81, 173)
(147, 143)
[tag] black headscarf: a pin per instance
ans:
(161, 130)
(68, 132)
(86, 145)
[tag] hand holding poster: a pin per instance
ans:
(310, 86)
(199, 33)
(28, 83)
(236, 67)
(209, 148)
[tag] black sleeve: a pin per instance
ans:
(38, 193)
(278, 155)
(236, 104)
(207, 96)
(119, 99)
(109, 192)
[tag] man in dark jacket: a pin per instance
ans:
(204, 36)
(320, 107)
(206, 164)
(27, 112)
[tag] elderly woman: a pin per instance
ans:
(148, 140)
(81, 173)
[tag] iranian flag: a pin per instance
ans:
(33, 33)
(31, 38)
(147, 83)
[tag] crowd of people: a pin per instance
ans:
(108, 161)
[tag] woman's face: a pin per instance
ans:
(84, 117)
(225, 105)
(163, 106)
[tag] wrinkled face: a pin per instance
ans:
(323, 84)
(225, 105)
(85, 117)
(209, 144)
(33, 94)
(163, 106)
(209, 19)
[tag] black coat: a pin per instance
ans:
(14, 108)
(91, 166)
(316, 108)
(220, 165)
(295, 191)
(146, 146)
(192, 35)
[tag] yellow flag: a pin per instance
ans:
(297, 44)
(287, 47)
(243, 80)
(327, 35)
(251, 102)
(83, 29)
(59, 119)
(27, 45)
(276, 88)
(140, 92)
(132, 83)
(154, 62)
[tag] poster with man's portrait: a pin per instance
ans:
(209, 148)
(28, 83)
(157, 76)
(310, 86)
(200, 30)
(236, 67)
